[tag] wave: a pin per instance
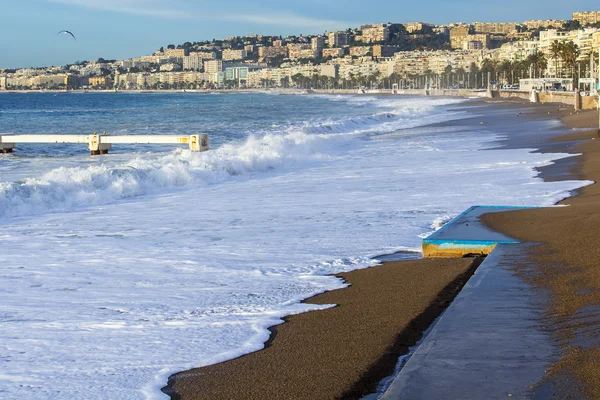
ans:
(298, 145)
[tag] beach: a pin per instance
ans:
(564, 263)
(344, 352)
(148, 263)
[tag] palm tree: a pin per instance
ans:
(569, 55)
(555, 54)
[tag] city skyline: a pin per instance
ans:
(128, 28)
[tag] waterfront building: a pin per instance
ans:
(103, 82)
(213, 66)
(518, 51)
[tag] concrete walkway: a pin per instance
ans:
(489, 344)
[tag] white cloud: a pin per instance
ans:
(286, 19)
(135, 7)
(155, 8)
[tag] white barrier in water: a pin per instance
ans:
(100, 144)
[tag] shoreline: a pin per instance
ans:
(561, 261)
(213, 381)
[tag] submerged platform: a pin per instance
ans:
(490, 343)
(465, 234)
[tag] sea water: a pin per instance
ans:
(120, 270)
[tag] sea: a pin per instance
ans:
(120, 270)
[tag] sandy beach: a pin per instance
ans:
(564, 262)
(343, 352)
(340, 352)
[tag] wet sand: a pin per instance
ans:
(566, 263)
(343, 352)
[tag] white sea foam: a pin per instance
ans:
(119, 272)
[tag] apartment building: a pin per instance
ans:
(586, 17)
(272, 52)
(278, 43)
(317, 43)
(337, 39)
(170, 67)
(47, 81)
(173, 53)
(518, 51)
(381, 51)
(231, 55)
(333, 52)
(100, 81)
(544, 23)
(495, 27)
(416, 26)
(483, 38)
(359, 51)
(374, 33)
(213, 66)
(206, 55)
(254, 79)
(409, 63)
(458, 36)
(193, 63)
(297, 51)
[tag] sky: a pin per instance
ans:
(120, 29)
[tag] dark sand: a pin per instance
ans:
(344, 351)
(566, 264)
(341, 352)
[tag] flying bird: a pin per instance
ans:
(67, 33)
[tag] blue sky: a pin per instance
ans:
(117, 29)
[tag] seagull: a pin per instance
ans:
(67, 33)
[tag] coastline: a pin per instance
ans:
(339, 352)
(244, 374)
(562, 260)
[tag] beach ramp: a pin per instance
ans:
(465, 235)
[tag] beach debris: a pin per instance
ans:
(481, 123)
(67, 33)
